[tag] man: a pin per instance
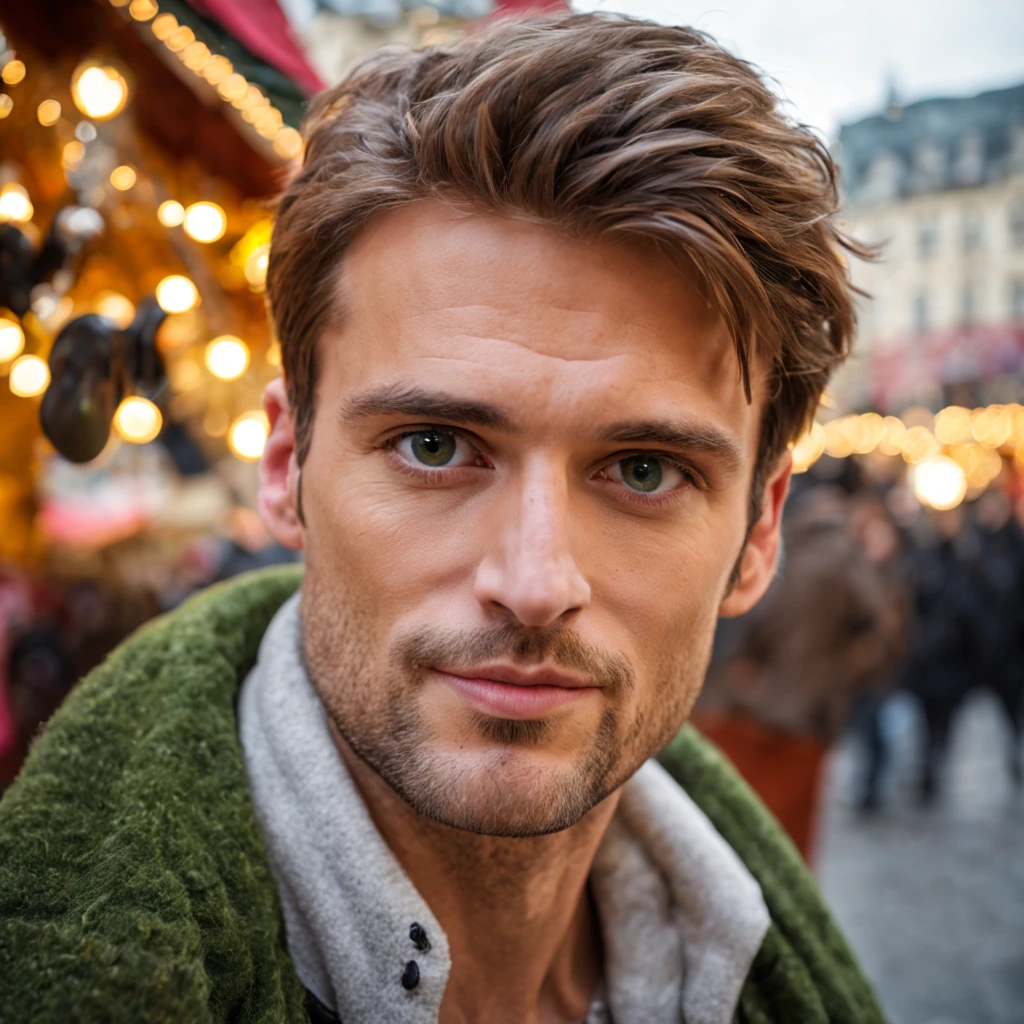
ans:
(552, 301)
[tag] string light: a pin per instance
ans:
(12, 339)
(939, 481)
(248, 436)
(227, 357)
(288, 143)
(143, 10)
(179, 39)
(176, 294)
(808, 449)
(123, 177)
(233, 87)
(29, 377)
(48, 113)
(99, 90)
(138, 420)
(205, 222)
(195, 56)
(164, 26)
(15, 204)
(170, 213)
(6, 105)
(217, 70)
(13, 72)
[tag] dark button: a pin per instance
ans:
(411, 976)
(418, 934)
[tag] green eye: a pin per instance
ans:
(641, 473)
(433, 447)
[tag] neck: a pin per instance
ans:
(521, 928)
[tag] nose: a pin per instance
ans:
(528, 571)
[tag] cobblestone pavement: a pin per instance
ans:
(933, 901)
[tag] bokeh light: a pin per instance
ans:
(13, 72)
(12, 339)
(29, 376)
(138, 420)
(176, 294)
(247, 436)
(15, 204)
(205, 222)
(806, 450)
(170, 213)
(115, 306)
(48, 113)
(227, 357)
(939, 482)
(99, 90)
(123, 177)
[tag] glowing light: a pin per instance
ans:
(29, 376)
(12, 339)
(138, 420)
(940, 482)
(48, 113)
(216, 422)
(217, 70)
(274, 354)
(919, 444)
(115, 306)
(256, 268)
(205, 222)
(807, 449)
(288, 144)
(143, 10)
(195, 56)
(99, 91)
(71, 154)
(13, 72)
(164, 26)
(227, 357)
(232, 88)
(123, 177)
(248, 436)
(869, 430)
(170, 213)
(893, 437)
(176, 294)
(991, 427)
(180, 38)
(837, 439)
(15, 204)
(6, 105)
(953, 424)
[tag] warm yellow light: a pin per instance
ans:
(991, 426)
(115, 306)
(176, 294)
(227, 357)
(138, 420)
(288, 143)
(919, 444)
(274, 354)
(893, 437)
(248, 436)
(164, 26)
(180, 38)
(195, 56)
(12, 339)
(48, 113)
(267, 122)
(940, 482)
(143, 10)
(13, 72)
(205, 222)
(233, 87)
(837, 439)
(6, 105)
(953, 424)
(256, 268)
(870, 429)
(251, 98)
(15, 204)
(808, 449)
(217, 70)
(170, 213)
(29, 376)
(123, 177)
(99, 91)
(71, 153)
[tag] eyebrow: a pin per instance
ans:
(699, 438)
(404, 400)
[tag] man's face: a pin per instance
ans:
(525, 493)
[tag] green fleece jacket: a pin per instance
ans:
(133, 881)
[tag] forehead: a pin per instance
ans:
(555, 326)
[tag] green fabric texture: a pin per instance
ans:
(133, 880)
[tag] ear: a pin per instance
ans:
(760, 557)
(279, 471)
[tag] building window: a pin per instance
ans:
(927, 241)
(1017, 301)
(921, 313)
(1017, 225)
(973, 231)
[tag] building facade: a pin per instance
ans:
(938, 187)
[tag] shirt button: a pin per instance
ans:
(411, 976)
(418, 934)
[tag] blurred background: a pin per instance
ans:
(874, 699)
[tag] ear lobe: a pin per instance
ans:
(761, 555)
(279, 471)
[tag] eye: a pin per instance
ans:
(436, 448)
(647, 474)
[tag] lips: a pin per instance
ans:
(505, 692)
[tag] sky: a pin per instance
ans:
(833, 60)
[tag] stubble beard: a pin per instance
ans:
(505, 792)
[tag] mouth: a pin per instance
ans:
(505, 692)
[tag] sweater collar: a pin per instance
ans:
(681, 916)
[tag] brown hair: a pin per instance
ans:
(605, 127)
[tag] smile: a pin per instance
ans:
(516, 695)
